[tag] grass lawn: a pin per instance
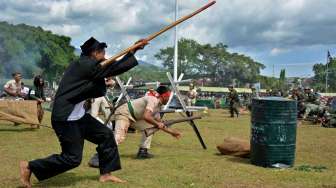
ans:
(177, 163)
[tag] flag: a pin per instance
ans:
(329, 58)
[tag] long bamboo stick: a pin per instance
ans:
(154, 35)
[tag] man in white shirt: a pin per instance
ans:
(13, 87)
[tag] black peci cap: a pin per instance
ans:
(91, 45)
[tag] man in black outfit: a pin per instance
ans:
(82, 80)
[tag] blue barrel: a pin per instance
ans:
(273, 131)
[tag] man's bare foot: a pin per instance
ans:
(25, 174)
(109, 178)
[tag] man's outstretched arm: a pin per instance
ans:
(148, 117)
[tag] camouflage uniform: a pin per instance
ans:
(311, 98)
(311, 104)
(233, 99)
(299, 97)
(329, 118)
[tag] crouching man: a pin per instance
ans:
(141, 113)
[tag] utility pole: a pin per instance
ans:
(273, 71)
(176, 43)
(327, 72)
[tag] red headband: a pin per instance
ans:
(166, 94)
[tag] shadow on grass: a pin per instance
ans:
(239, 160)
(65, 179)
(235, 159)
(130, 156)
(17, 130)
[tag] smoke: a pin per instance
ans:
(24, 62)
(18, 52)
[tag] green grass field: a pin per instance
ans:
(177, 163)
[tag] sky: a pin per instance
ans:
(281, 34)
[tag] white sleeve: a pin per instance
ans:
(7, 85)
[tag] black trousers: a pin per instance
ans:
(71, 135)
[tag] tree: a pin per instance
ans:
(282, 79)
(320, 71)
(204, 61)
(31, 50)
(267, 82)
(146, 72)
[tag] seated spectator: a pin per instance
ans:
(24, 91)
(2, 95)
(37, 93)
(13, 87)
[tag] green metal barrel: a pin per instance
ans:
(273, 131)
